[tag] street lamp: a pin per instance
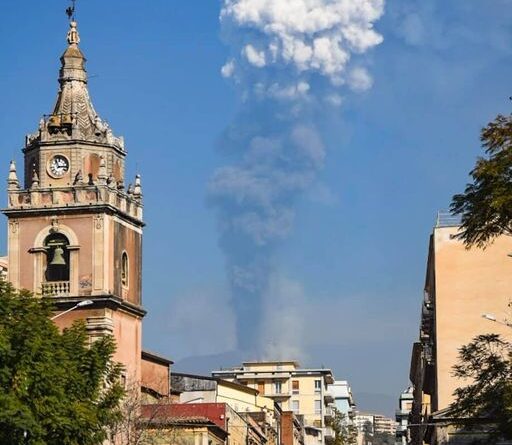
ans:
(76, 306)
(492, 317)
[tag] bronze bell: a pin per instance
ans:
(58, 257)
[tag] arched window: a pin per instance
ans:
(124, 270)
(57, 258)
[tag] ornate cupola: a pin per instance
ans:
(75, 230)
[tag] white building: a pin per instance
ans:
(402, 416)
(343, 399)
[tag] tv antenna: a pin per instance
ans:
(70, 11)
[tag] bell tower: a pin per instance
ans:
(74, 229)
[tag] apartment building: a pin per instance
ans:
(343, 399)
(460, 286)
(402, 416)
(302, 391)
(384, 425)
(364, 423)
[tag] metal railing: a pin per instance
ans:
(447, 219)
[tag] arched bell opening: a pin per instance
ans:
(57, 258)
(125, 277)
(56, 253)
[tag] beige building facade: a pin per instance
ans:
(302, 391)
(460, 286)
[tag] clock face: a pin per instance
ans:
(59, 166)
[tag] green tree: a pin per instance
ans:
(345, 433)
(486, 204)
(55, 388)
(486, 364)
(367, 432)
(383, 439)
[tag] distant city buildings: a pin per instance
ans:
(370, 425)
(384, 425)
(364, 423)
(302, 391)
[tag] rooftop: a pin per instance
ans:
(447, 219)
(157, 358)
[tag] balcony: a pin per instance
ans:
(328, 414)
(264, 375)
(278, 395)
(328, 397)
(55, 288)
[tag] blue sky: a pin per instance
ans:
(353, 263)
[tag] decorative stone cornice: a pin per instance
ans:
(108, 301)
(75, 198)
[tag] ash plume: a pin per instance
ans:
(289, 61)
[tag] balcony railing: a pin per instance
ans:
(55, 288)
(448, 219)
(279, 394)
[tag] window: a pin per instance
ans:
(318, 407)
(57, 258)
(295, 406)
(318, 386)
(261, 388)
(295, 387)
(124, 270)
(278, 388)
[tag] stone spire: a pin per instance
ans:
(12, 180)
(137, 190)
(74, 116)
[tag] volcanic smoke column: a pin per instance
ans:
(290, 60)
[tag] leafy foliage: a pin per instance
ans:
(485, 363)
(55, 388)
(486, 204)
(345, 433)
(144, 420)
(383, 439)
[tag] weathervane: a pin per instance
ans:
(71, 11)
(73, 37)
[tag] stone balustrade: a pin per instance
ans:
(55, 288)
(79, 195)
